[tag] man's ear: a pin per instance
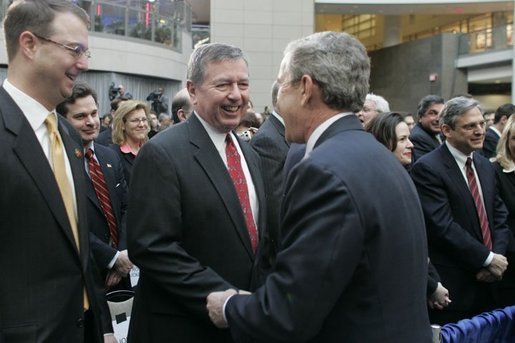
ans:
(193, 91)
(446, 129)
(27, 44)
(306, 85)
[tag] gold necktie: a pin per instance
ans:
(57, 156)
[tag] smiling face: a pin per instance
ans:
(54, 68)
(136, 126)
(83, 115)
(429, 120)
(221, 99)
(404, 147)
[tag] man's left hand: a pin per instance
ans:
(215, 306)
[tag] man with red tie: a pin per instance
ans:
(196, 207)
(465, 217)
(106, 189)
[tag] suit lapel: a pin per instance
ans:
(461, 186)
(28, 149)
(209, 159)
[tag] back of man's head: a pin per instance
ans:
(505, 110)
(181, 101)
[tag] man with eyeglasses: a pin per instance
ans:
(47, 293)
(465, 217)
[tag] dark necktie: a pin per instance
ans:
(240, 183)
(100, 186)
(483, 219)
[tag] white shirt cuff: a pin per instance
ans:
(488, 259)
(225, 304)
(111, 264)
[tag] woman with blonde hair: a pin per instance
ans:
(504, 166)
(130, 132)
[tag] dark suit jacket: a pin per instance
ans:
(490, 143)
(43, 273)
(455, 241)
(187, 234)
(105, 137)
(113, 173)
(423, 142)
(127, 162)
(272, 147)
(353, 260)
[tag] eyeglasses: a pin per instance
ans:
(472, 126)
(136, 121)
(77, 51)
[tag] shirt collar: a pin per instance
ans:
(275, 114)
(494, 129)
(35, 112)
(320, 130)
(217, 137)
(460, 157)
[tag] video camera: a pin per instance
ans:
(113, 91)
(155, 95)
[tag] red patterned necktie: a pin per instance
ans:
(240, 183)
(483, 219)
(100, 186)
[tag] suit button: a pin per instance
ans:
(80, 322)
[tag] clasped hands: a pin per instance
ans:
(494, 271)
(215, 306)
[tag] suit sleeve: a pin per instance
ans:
(320, 248)
(155, 231)
(444, 233)
(122, 193)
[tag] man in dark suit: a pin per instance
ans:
(425, 136)
(493, 133)
(106, 220)
(465, 217)
(352, 264)
(48, 292)
(189, 231)
(272, 147)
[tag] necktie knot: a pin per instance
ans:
(468, 164)
(51, 122)
(89, 154)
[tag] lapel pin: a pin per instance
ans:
(108, 165)
(78, 153)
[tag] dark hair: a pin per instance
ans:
(383, 126)
(249, 119)
(426, 102)
(504, 110)
(115, 103)
(36, 16)
(80, 90)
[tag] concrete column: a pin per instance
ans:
(392, 30)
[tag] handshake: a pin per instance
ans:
(215, 306)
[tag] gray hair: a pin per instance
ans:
(275, 90)
(382, 105)
(207, 53)
(338, 63)
(455, 108)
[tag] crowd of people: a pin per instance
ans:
(331, 218)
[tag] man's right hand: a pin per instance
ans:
(123, 265)
(498, 266)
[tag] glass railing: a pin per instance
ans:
(159, 21)
(495, 38)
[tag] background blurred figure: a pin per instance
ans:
(494, 132)
(410, 120)
(182, 107)
(106, 121)
(122, 93)
(271, 145)
(164, 121)
(199, 207)
(338, 234)
(374, 104)
(154, 124)
(159, 102)
(105, 137)
(505, 172)
(248, 126)
(106, 189)
(425, 136)
(489, 119)
(130, 132)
